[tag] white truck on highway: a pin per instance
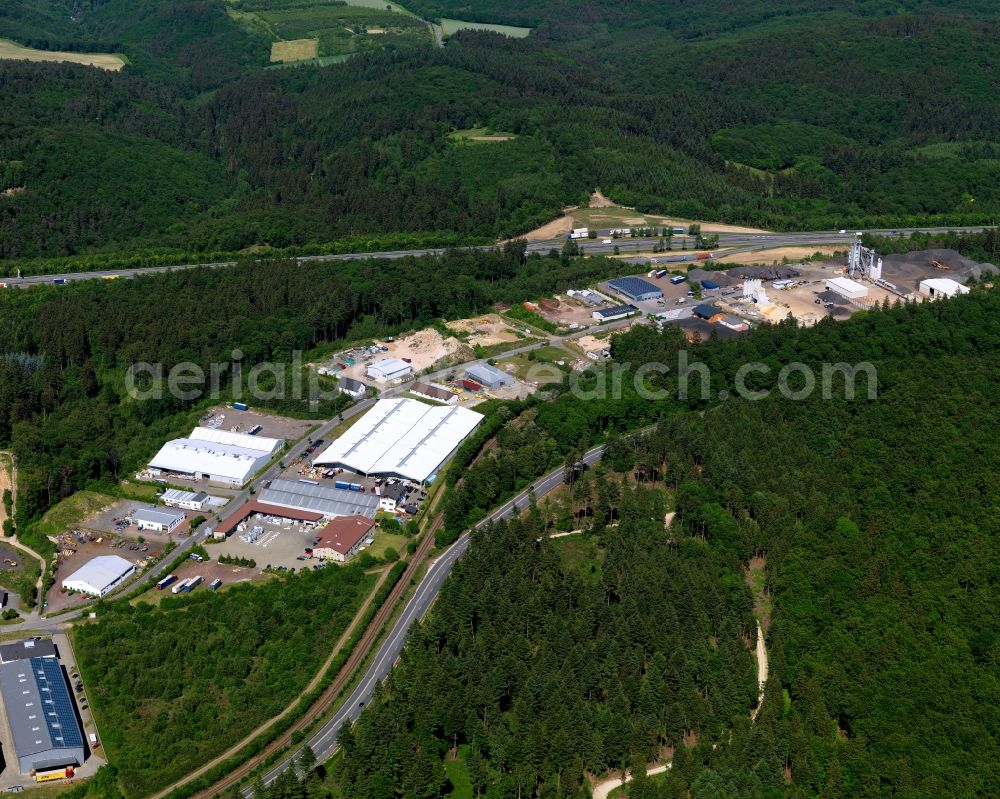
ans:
(579, 233)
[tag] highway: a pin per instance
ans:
(324, 741)
(595, 246)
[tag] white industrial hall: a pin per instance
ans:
(401, 438)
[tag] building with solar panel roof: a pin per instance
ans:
(40, 715)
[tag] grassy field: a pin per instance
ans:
(384, 541)
(581, 554)
(480, 135)
(451, 26)
(320, 34)
(543, 355)
(294, 50)
(458, 774)
(15, 52)
(71, 512)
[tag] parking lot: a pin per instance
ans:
(278, 543)
(224, 417)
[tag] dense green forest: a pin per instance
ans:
(174, 685)
(544, 660)
(877, 519)
(65, 350)
(783, 114)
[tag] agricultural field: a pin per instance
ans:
(16, 52)
(321, 33)
(453, 26)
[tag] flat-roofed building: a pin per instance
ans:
(389, 370)
(40, 715)
(158, 520)
(219, 456)
(432, 392)
(846, 287)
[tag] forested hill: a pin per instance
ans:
(878, 523)
(776, 114)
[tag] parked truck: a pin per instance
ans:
(59, 281)
(181, 586)
(676, 280)
(193, 583)
(579, 233)
(170, 578)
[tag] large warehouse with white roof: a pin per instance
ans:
(218, 456)
(99, 576)
(401, 438)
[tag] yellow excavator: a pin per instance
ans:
(939, 265)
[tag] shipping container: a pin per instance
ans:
(677, 279)
(55, 774)
(470, 384)
(214, 585)
(170, 578)
(193, 583)
(357, 487)
(240, 406)
(342, 484)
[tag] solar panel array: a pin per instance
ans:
(57, 703)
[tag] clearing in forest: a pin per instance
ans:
(12, 51)
(294, 50)
(452, 26)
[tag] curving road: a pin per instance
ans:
(596, 246)
(324, 741)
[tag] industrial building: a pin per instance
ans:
(432, 392)
(588, 296)
(351, 387)
(328, 500)
(938, 287)
(488, 376)
(635, 288)
(613, 313)
(188, 500)
(846, 287)
(40, 715)
(389, 370)
(157, 520)
(24, 650)
(341, 539)
(734, 323)
(219, 456)
(248, 509)
(100, 575)
(401, 438)
(708, 312)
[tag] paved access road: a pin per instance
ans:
(751, 241)
(324, 741)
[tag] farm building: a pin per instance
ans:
(939, 287)
(351, 387)
(99, 576)
(40, 715)
(158, 520)
(432, 392)
(635, 288)
(389, 369)
(401, 438)
(708, 312)
(846, 287)
(342, 538)
(328, 500)
(188, 500)
(248, 509)
(23, 650)
(218, 456)
(615, 312)
(488, 376)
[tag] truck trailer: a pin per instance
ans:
(193, 583)
(170, 578)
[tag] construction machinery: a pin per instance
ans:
(939, 265)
